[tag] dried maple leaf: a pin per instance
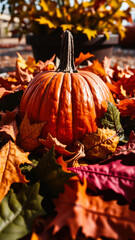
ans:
(59, 147)
(82, 57)
(107, 67)
(31, 64)
(11, 157)
(23, 76)
(100, 144)
(28, 134)
(94, 216)
(11, 129)
(8, 83)
(127, 107)
(127, 148)
(8, 116)
(96, 67)
(21, 61)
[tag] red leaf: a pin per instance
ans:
(117, 175)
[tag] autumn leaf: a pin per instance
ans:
(127, 148)
(50, 141)
(51, 175)
(111, 120)
(116, 173)
(94, 216)
(18, 211)
(11, 158)
(8, 116)
(100, 144)
(28, 134)
(82, 57)
(21, 61)
(127, 107)
(31, 64)
(95, 67)
(23, 75)
(10, 101)
(11, 129)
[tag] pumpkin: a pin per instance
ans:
(70, 102)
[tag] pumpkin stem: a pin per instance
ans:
(67, 54)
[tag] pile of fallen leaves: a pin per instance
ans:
(50, 192)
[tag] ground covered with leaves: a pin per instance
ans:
(50, 191)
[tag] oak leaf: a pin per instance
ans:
(100, 144)
(94, 216)
(28, 134)
(11, 157)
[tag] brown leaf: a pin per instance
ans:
(11, 157)
(8, 116)
(94, 216)
(29, 133)
(11, 129)
(100, 144)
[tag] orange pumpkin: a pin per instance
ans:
(69, 101)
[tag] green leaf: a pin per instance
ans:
(112, 120)
(10, 101)
(17, 212)
(51, 175)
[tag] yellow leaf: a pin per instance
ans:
(21, 61)
(66, 26)
(58, 13)
(44, 5)
(100, 144)
(11, 157)
(29, 133)
(44, 20)
(89, 32)
(31, 64)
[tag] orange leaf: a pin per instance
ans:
(59, 147)
(127, 107)
(29, 133)
(61, 162)
(82, 57)
(96, 67)
(11, 157)
(94, 216)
